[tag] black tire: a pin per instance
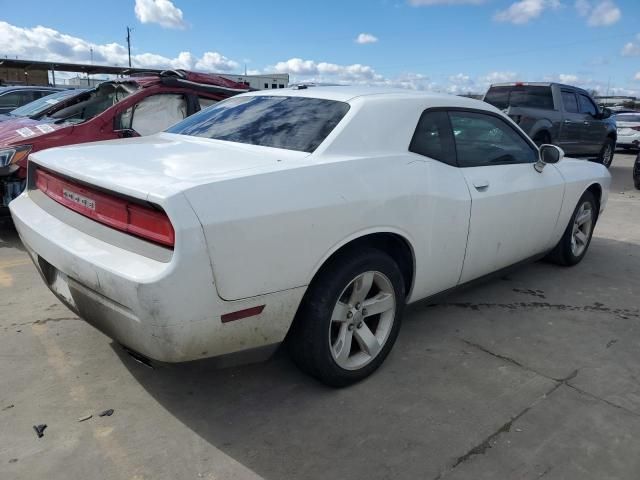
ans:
(605, 157)
(563, 254)
(309, 341)
(542, 138)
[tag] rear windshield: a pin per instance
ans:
(628, 118)
(520, 96)
(291, 123)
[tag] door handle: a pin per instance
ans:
(567, 121)
(481, 185)
(587, 123)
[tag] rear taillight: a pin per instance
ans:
(139, 220)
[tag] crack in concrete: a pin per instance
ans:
(488, 442)
(595, 307)
(43, 321)
(608, 402)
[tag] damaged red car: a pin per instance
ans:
(126, 107)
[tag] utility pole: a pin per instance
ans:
(129, 44)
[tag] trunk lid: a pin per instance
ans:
(162, 165)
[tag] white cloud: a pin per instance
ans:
(426, 3)
(365, 38)
(42, 43)
(300, 67)
(216, 62)
(631, 49)
(637, 77)
(162, 12)
(600, 14)
(499, 77)
(567, 78)
(524, 11)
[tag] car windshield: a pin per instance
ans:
(520, 96)
(93, 102)
(38, 106)
(628, 118)
(291, 123)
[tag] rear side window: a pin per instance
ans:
(433, 138)
(586, 105)
(569, 101)
(291, 123)
(529, 96)
(483, 139)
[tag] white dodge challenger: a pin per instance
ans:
(309, 215)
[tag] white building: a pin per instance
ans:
(261, 82)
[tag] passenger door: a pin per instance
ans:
(571, 137)
(595, 129)
(514, 208)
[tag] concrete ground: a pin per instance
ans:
(536, 374)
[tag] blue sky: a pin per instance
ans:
(446, 45)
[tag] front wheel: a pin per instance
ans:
(349, 318)
(577, 237)
(606, 152)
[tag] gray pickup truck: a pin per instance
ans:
(563, 115)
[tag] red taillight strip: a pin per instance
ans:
(115, 212)
(240, 314)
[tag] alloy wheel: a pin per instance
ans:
(582, 225)
(362, 320)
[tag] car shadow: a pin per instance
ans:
(435, 396)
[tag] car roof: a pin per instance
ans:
(348, 93)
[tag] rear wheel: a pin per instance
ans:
(349, 318)
(577, 237)
(606, 152)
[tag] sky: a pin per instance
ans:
(454, 46)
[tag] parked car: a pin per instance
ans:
(16, 96)
(636, 172)
(119, 108)
(300, 214)
(38, 108)
(558, 114)
(628, 130)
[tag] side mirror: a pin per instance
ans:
(548, 154)
(603, 114)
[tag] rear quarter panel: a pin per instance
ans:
(272, 232)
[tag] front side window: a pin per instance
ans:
(483, 139)
(291, 123)
(94, 102)
(587, 106)
(433, 138)
(569, 101)
(153, 114)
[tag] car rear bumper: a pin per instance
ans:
(166, 310)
